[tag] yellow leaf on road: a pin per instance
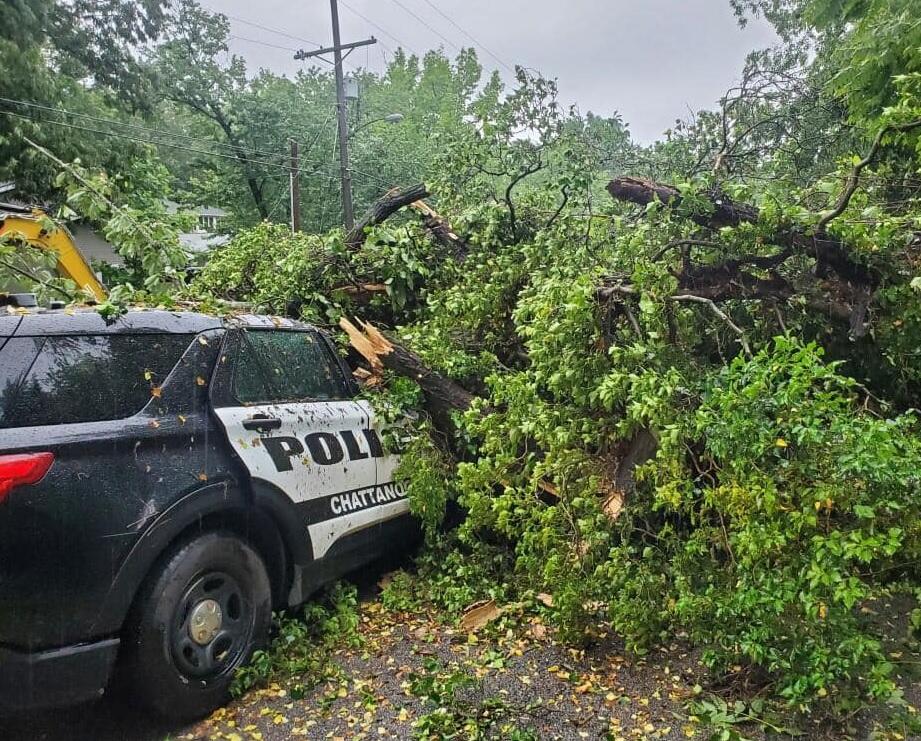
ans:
(479, 614)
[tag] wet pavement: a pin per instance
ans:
(520, 679)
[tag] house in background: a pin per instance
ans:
(204, 236)
(93, 245)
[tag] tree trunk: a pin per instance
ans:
(239, 152)
(443, 395)
(828, 251)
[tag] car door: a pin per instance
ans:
(288, 414)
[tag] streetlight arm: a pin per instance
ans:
(391, 118)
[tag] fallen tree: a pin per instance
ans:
(383, 208)
(661, 441)
(443, 395)
(845, 295)
(828, 251)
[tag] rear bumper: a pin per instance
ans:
(60, 676)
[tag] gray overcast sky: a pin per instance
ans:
(651, 60)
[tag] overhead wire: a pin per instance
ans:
(138, 127)
(300, 168)
(470, 36)
(377, 26)
(235, 158)
(318, 130)
(426, 24)
(260, 26)
(269, 29)
(261, 43)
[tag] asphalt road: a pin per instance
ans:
(549, 689)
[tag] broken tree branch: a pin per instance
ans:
(604, 293)
(826, 249)
(442, 231)
(743, 340)
(853, 178)
(382, 209)
(443, 395)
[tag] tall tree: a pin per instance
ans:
(191, 74)
(81, 55)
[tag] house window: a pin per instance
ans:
(208, 223)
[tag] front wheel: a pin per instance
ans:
(200, 616)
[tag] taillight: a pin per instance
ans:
(22, 469)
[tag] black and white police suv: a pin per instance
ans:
(166, 481)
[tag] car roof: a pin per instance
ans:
(32, 323)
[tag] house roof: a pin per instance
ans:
(93, 246)
(172, 207)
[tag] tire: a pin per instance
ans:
(204, 609)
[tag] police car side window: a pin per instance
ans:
(277, 366)
(92, 378)
(16, 357)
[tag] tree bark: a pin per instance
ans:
(382, 209)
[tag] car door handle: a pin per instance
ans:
(261, 423)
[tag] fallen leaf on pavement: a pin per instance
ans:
(479, 614)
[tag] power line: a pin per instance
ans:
(261, 43)
(467, 34)
(162, 132)
(239, 159)
(235, 158)
(378, 27)
(427, 25)
(263, 27)
(268, 28)
(137, 127)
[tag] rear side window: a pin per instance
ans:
(86, 378)
(286, 366)
(16, 357)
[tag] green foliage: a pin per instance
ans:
(428, 473)
(131, 212)
(452, 575)
(301, 650)
(723, 719)
(741, 521)
(316, 275)
(270, 267)
(797, 550)
(460, 710)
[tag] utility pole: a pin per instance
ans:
(295, 188)
(345, 173)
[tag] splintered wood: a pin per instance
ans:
(441, 230)
(369, 343)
